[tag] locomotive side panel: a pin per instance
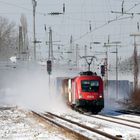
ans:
(68, 86)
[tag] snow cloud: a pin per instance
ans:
(29, 86)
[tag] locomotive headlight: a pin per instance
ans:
(100, 96)
(80, 96)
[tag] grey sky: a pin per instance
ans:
(79, 13)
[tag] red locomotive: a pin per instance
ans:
(85, 92)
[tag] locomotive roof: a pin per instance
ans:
(87, 77)
(85, 74)
(88, 73)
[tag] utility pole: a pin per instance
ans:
(71, 48)
(50, 43)
(77, 55)
(20, 42)
(51, 57)
(85, 54)
(34, 2)
(106, 65)
(106, 45)
(116, 44)
(135, 57)
(117, 84)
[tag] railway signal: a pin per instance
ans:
(49, 66)
(103, 70)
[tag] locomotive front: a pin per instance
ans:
(89, 92)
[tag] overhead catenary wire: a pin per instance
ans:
(41, 13)
(108, 22)
(72, 18)
(15, 5)
(44, 14)
(27, 9)
(68, 17)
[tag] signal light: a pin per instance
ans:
(103, 70)
(49, 66)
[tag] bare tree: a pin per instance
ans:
(8, 38)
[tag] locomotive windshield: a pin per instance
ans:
(90, 85)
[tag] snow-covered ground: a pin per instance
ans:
(115, 129)
(17, 124)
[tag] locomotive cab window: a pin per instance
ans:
(90, 85)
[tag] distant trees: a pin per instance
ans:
(135, 100)
(24, 26)
(8, 38)
(23, 49)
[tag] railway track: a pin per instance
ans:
(132, 112)
(125, 122)
(83, 131)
